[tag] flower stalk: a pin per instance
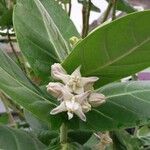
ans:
(63, 133)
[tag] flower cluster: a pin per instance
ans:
(75, 93)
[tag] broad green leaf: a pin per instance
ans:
(127, 105)
(13, 139)
(114, 50)
(43, 34)
(14, 83)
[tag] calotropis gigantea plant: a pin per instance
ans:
(71, 112)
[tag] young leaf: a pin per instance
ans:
(43, 34)
(13, 139)
(124, 6)
(14, 83)
(114, 50)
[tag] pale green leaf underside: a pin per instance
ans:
(114, 50)
(14, 83)
(13, 139)
(40, 26)
(127, 105)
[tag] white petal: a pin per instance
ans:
(58, 67)
(86, 107)
(69, 105)
(82, 97)
(96, 99)
(59, 109)
(55, 89)
(70, 115)
(88, 82)
(58, 73)
(67, 95)
(80, 114)
(77, 72)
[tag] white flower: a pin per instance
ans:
(55, 89)
(96, 99)
(75, 94)
(74, 82)
(72, 104)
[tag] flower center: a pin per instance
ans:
(74, 82)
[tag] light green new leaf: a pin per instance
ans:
(114, 50)
(124, 6)
(14, 83)
(13, 139)
(127, 105)
(43, 31)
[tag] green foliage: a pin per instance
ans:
(5, 15)
(15, 84)
(124, 6)
(44, 37)
(114, 50)
(4, 119)
(127, 105)
(125, 141)
(13, 139)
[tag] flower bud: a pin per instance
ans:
(96, 99)
(55, 89)
(57, 71)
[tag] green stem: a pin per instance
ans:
(63, 133)
(14, 51)
(107, 12)
(70, 6)
(114, 9)
(86, 15)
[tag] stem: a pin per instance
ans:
(114, 9)
(63, 133)
(70, 6)
(86, 15)
(13, 49)
(134, 77)
(107, 12)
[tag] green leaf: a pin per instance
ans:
(4, 119)
(92, 142)
(13, 139)
(144, 136)
(123, 5)
(124, 141)
(127, 105)
(114, 50)
(68, 146)
(5, 15)
(35, 124)
(14, 83)
(43, 34)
